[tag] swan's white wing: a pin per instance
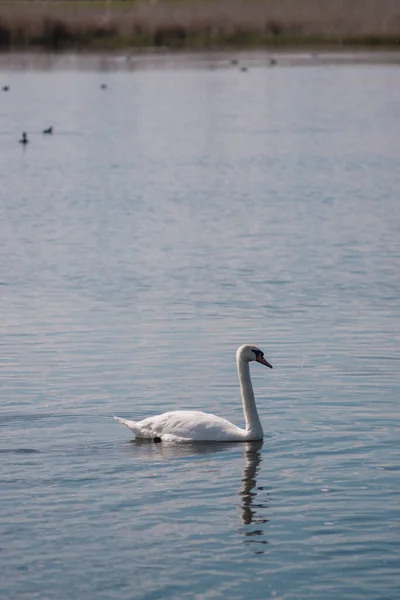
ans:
(148, 433)
(186, 426)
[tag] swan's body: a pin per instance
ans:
(193, 425)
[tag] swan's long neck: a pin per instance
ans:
(253, 423)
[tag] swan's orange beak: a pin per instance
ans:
(262, 360)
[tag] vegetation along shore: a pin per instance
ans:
(194, 24)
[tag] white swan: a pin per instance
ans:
(197, 426)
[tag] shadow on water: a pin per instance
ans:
(19, 451)
(250, 505)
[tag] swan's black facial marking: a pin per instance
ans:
(260, 357)
(157, 440)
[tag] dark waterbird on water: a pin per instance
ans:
(24, 140)
(5, 88)
(48, 131)
(103, 86)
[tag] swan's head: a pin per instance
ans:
(250, 353)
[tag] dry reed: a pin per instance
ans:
(59, 24)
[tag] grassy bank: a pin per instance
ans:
(102, 24)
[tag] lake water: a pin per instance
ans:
(170, 218)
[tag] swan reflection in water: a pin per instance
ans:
(252, 508)
(253, 511)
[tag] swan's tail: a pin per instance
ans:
(139, 432)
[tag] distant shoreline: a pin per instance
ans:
(208, 60)
(79, 25)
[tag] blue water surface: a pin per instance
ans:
(170, 218)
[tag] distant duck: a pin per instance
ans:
(272, 61)
(48, 131)
(243, 69)
(24, 140)
(5, 88)
(103, 86)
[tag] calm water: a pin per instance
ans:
(170, 218)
